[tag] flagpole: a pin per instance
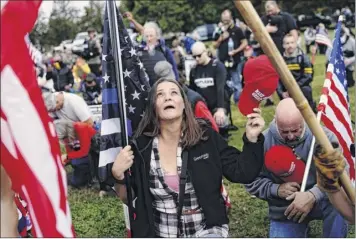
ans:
(115, 42)
(310, 158)
(322, 103)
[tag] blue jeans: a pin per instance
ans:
(334, 224)
(81, 172)
(234, 75)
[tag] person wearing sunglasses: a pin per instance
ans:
(208, 79)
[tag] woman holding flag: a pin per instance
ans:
(177, 164)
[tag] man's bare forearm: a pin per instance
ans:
(241, 47)
(139, 28)
(342, 203)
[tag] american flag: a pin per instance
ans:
(30, 151)
(35, 54)
(136, 87)
(323, 39)
(334, 102)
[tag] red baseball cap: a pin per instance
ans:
(282, 162)
(261, 80)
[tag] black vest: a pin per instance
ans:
(149, 61)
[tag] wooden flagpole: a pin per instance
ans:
(252, 19)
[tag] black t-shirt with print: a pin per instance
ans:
(209, 81)
(236, 34)
(284, 22)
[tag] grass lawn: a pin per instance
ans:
(95, 217)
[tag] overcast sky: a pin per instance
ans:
(47, 6)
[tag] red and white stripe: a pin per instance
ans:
(30, 151)
(323, 40)
(336, 115)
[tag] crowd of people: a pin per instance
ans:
(190, 140)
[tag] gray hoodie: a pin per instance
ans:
(266, 185)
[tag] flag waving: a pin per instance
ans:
(323, 39)
(335, 105)
(136, 85)
(30, 151)
(125, 84)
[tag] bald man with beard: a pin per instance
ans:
(290, 210)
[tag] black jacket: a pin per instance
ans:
(61, 77)
(208, 161)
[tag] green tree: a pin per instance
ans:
(93, 16)
(63, 22)
(39, 30)
(181, 15)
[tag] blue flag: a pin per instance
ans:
(136, 85)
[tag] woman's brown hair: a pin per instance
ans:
(192, 128)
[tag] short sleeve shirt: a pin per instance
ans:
(237, 36)
(74, 109)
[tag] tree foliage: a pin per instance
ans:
(172, 16)
(64, 22)
(181, 15)
(93, 16)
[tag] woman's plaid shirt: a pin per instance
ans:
(165, 202)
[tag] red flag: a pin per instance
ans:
(30, 151)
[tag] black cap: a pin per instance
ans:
(90, 77)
